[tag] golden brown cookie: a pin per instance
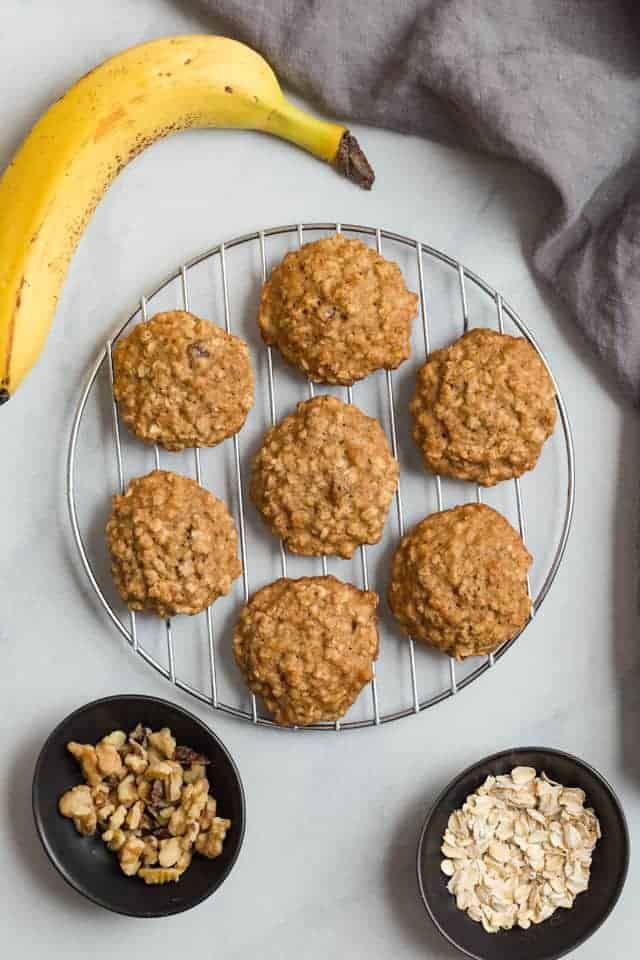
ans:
(459, 581)
(182, 382)
(324, 478)
(306, 647)
(483, 408)
(174, 547)
(337, 310)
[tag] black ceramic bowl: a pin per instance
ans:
(566, 929)
(85, 863)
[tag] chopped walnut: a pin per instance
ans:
(127, 791)
(153, 875)
(157, 792)
(134, 816)
(208, 814)
(194, 798)
(104, 813)
(169, 774)
(85, 754)
(136, 757)
(116, 739)
(146, 824)
(154, 756)
(114, 839)
(76, 802)
(140, 735)
(209, 844)
(195, 772)
(86, 825)
(118, 817)
(187, 757)
(109, 762)
(150, 799)
(178, 822)
(135, 763)
(101, 794)
(163, 815)
(169, 852)
(143, 787)
(190, 834)
(77, 805)
(129, 855)
(150, 853)
(163, 742)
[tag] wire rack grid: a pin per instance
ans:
(208, 693)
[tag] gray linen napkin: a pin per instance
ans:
(553, 83)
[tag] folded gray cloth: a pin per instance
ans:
(553, 83)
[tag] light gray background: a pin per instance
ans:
(328, 863)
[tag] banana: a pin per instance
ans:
(59, 174)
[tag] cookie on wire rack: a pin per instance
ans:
(307, 647)
(459, 581)
(483, 408)
(338, 310)
(181, 381)
(173, 545)
(324, 478)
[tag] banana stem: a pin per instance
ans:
(329, 141)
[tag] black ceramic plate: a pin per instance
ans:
(84, 862)
(566, 929)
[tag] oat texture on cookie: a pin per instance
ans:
(459, 581)
(337, 310)
(324, 478)
(483, 408)
(306, 647)
(181, 381)
(173, 545)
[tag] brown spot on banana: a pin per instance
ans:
(105, 126)
(19, 294)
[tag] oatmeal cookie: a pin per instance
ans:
(337, 310)
(324, 478)
(306, 647)
(182, 382)
(459, 581)
(483, 408)
(174, 547)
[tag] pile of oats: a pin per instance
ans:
(519, 848)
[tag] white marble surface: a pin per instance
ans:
(328, 863)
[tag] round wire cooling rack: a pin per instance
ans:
(408, 678)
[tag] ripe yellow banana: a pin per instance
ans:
(55, 181)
